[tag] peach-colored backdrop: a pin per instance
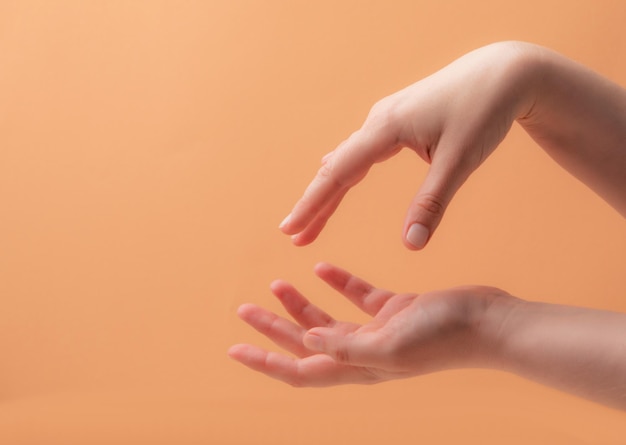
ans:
(148, 151)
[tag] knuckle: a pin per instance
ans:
(384, 114)
(329, 173)
(342, 355)
(298, 378)
(431, 203)
(325, 170)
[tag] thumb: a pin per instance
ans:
(429, 204)
(355, 349)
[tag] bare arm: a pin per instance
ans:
(579, 118)
(455, 118)
(577, 350)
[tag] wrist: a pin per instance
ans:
(525, 68)
(495, 330)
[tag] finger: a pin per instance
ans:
(306, 314)
(331, 183)
(317, 370)
(284, 333)
(444, 178)
(364, 349)
(327, 156)
(365, 296)
(272, 364)
(348, 164)
(311, 232)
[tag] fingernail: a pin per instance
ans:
(285, 221)
(417, 236)
(314, 342)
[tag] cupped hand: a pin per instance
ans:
(408, 334)
(453, 120)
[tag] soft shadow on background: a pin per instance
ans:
(148, 151)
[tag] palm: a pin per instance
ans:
(405, 337)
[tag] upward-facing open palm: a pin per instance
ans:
(409, 334)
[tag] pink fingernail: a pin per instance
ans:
(417, 236)
(285, 221)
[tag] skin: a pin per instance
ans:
(453, 120)
(408, 335)
(577, 350)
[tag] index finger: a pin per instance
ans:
(366, 297)
(347, 165)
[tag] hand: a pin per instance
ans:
(408, 335)
(453, 120)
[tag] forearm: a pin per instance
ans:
(577, 350)
(579, 118)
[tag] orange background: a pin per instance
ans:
(148, 151)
